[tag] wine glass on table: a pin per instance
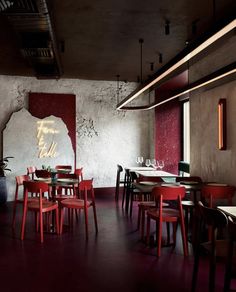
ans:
(141, 160)
(153, 163)
(148, 162)
(138, 160)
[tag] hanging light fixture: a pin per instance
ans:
(180, 60)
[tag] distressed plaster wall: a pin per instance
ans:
(105, 136)
(206, 160)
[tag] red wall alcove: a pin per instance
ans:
(42, 105)
(168, 135)
(168, 123)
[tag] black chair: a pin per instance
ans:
(214, 248)
(230, 270)
(119, 181)
(183, 168)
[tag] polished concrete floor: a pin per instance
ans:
(114, 260)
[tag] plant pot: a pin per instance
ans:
(3, 190)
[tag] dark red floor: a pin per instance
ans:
(114, 260)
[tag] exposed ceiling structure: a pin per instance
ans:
(98, 40)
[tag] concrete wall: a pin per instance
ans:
(206, 160)
(105, 136)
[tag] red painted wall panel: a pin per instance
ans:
(63, 106)
(168, 135)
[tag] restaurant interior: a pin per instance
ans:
(126, 107)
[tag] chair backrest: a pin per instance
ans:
(31, 171)
(183, 167)
(43, 173)
(21, 178)
(79, 173)
(33, 187)
(212, 217)
(214, 193)
(67, 175)
(189, 178)
(170, 193)
(85, 187)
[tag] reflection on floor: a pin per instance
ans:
(114, 260)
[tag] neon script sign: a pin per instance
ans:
(46, 128)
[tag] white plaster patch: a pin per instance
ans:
(35, 142)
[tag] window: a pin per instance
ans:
(186, 132)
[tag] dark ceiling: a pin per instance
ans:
(99, 40)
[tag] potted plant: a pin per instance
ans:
(3, 187)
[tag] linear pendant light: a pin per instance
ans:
(188, 56)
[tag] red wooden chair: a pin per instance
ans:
(149, 202)
(19, 183)
(39, 206)
(81, 203)
(66, 190)
(79, 173)
(172, 215)
(214, 193)
(31, 171)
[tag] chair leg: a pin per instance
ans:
(86, 221)
(183, 232)
(148, 229)
(168, 232)
(23, 222)
(41, 226)
(139, 217)
(14, 215)
(95, 218)
(61, 219)
(142, 223)
(57, 221)
(159, 235)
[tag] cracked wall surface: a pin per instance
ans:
(105, 136)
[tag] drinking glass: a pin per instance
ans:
(153, 163)
(148, 162)
(138, 159)
(141, 160)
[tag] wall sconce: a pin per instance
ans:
(222, 124)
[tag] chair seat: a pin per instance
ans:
(47, 206)
(30, 200)
(151, 204)
(166, 213)
(75, 203)
(61, 197)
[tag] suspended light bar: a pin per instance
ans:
(226, 29)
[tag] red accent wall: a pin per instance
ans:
(42, 105)
(168, 135)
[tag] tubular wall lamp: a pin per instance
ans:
(181, 59)
(222, 124)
